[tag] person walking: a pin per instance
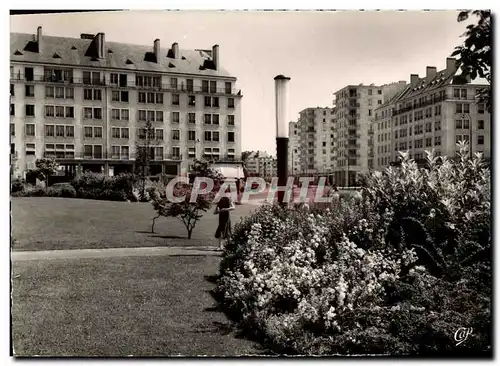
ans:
(223, 232)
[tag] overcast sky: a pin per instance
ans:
(321, 51)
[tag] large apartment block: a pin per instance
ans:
(262, 164)
(293, 149)
(355, 107)
(430, 113)
(315, 145)
(86, 101)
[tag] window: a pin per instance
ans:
(59, 131)
(176, 151)
(463, 93)
(215, 119)
(191, 152)
(466, 108)
(228, 87)
(215, 102)
(480, 108)
(124, 133)
(437, 126)
(230, 136)
(480, 140)
(159, 116)
(49, 130)
(173, 83)
(12, 89)
(369, 102)
(87, 132)
(215, 136)
(87, 113)
(379, 102)
(30, 149)
(230, 121)
(124, 114)
(379, 92)
(458, 123)
(141, 97)
(369, 92)
(124, 154)
(59, 111)
(175, 99)
(480, 124)
(176, 135)
(13, 110)
(113, 79)
(91, 78)
(208, 102)
(159, 134)
(151, 115)
(87, 151)
(159, 98)
(456, 93)
(30, 129)
(115, 132)
(150, 97)
(204, 86)
(369, 112)
(147, 81)
(466, 124)
(437, 140)
(189, 85)
(120, 96)
(230, 102)
(208, 119)
(30, 90)
(49, 111)
(115, 152)
(12, 129)
(208, 135)
(98, 132)
(175, 117)
(191, 100)
(213, 86)
(192, 135)
(192, 118)
(428, 142)
(28, 73)
(458, 108)
(70, 131)
(115, 114)
(142, 115)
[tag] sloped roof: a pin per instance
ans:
(74, 51)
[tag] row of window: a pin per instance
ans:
(118, 132)
(117, 151)
(121, 80)
(119, 114)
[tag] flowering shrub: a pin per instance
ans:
(101, 187)
(373, 274)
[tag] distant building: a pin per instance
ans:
(355, 106)
(293, 149)
(85, 101)
(430, 113)
(260, 163)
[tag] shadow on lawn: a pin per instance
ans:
(232, 327)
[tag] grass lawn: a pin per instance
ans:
(46, 223)
(139, 306)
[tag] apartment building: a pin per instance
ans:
(355, 106)
(86, 101)
(293, 149)
(315, 141)
(261, 164)
(432, 112)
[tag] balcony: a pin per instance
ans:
(102, 82)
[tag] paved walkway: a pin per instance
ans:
(114, 253)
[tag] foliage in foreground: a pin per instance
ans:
(391, 273)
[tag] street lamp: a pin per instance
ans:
(281, 88)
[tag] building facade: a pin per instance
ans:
(262, 164)
(86, 102)
(315, 141)
(432, 112)
(355, 108)
(293, 149)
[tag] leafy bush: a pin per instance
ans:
(101, 187)
(374, 274)
(17, 185)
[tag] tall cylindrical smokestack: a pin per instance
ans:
(282, 90)
(215, 56)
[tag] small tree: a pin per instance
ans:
(45, 167)
(146, 142)
(186, 211)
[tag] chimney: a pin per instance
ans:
(215, 56)
(431, 72)
(414, 79)
(451, 63)
(100, 43)
(157, 50)
(39, 39)
(175, 50)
